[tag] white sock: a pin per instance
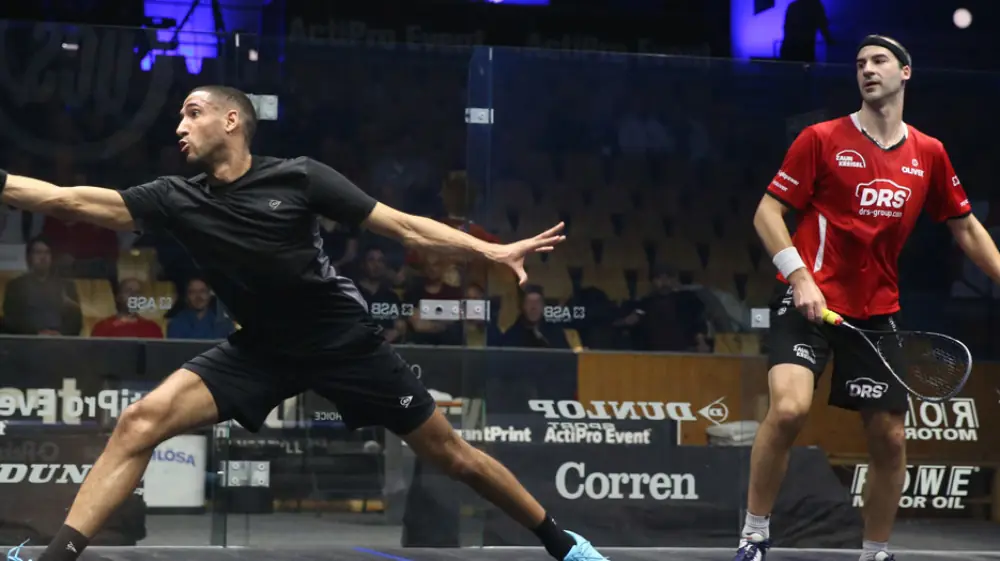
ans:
(870, 549)
(757, 525)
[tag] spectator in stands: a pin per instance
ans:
(531, 329)
(430, 286)
(339, 242)
(127, 322)
(39, 302)
(197, 320)
(669, 318)
(458, 196)
(17, 226)
(84, 250)
(480, 333)
(384, 304)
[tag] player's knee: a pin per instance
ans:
(789, 414)
(140, 425)
(791, 396)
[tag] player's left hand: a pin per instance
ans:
(513, 254)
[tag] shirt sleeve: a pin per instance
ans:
(946, 199)
(149, 204)
(793, 184)
(334, 196)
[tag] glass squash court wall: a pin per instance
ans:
(622, 384)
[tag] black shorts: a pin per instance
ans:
(370, 386)
(860, 379)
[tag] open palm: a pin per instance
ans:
(513, 254)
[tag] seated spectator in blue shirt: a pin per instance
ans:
(198, 319)
(531, 329)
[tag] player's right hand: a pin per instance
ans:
(806, 295)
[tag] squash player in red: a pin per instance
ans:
(858, 184)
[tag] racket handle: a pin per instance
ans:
(832, 317)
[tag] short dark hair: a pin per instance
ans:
(892, 45)
(533, 289)
(233, 96)
(37, 240)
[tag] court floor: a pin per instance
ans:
(473, 554)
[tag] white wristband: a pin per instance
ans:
(788, 261)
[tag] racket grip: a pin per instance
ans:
(832, 317)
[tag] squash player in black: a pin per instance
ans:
(250, 223)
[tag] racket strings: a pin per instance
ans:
(932, 365)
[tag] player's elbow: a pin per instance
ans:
(391, 223)
(768, 211)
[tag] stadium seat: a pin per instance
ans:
(88, 326)
(679, 253)
(97, 299)
(717, 278)
(730, 256)
(609, 279)
(594, 223)
(535, 219)
(625, 254)
(496, 220)
(4, 279)
(616, 199)
(632, 171)
(554, 279)
(760, 288)
(584, 170)
(573, 338)
(663, 200)
(535, 167)
(744, 344)
(644, 224)
(643, 287)
(139, 264)
(574, 252)
(515, 193)
(695, 227)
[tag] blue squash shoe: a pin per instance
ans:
(583, 550)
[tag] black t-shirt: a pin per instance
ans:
(257, 241)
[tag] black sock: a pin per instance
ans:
(556, 542)
(67, 545)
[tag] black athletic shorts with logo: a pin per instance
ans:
(370, 384)
(860, 379)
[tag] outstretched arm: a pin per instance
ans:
(332, 195)
(96, 205)
(431, 235)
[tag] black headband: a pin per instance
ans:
(893, 46)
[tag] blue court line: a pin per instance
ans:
(380, 554)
